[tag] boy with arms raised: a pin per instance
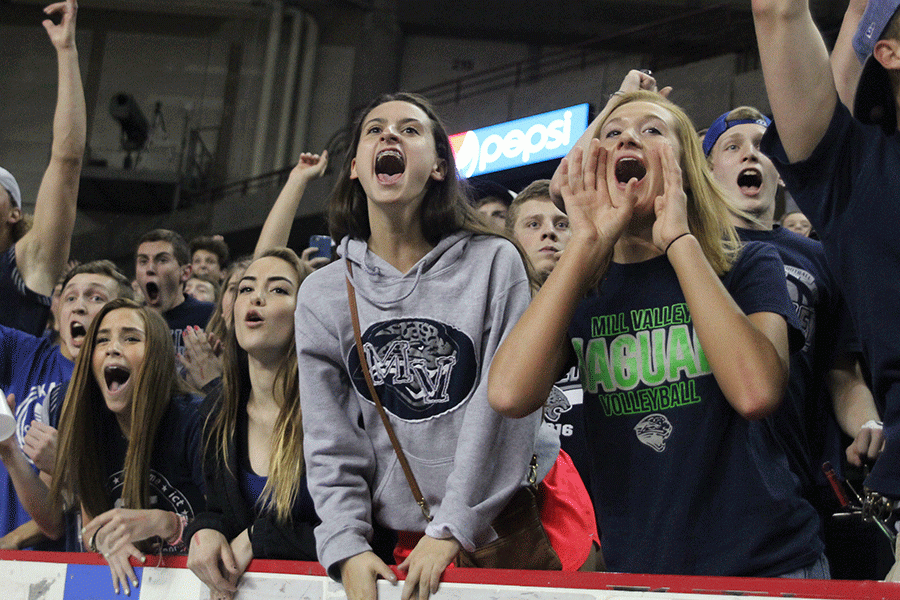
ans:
(823, 374)
(844, 173)
(33, 259)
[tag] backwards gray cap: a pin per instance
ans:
(8, 182)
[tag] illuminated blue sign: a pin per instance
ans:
(521, 142)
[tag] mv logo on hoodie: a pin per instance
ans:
(421, 368)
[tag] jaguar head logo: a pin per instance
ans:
(653, 430)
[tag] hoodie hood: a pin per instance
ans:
(383, 285)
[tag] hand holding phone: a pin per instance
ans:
(322, 244)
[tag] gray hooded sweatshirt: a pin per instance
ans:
(429, 336)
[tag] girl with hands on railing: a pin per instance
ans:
(129, 441)
(258, 505)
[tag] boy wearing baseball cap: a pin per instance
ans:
(826, 388)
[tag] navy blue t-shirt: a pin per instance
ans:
(683, 483)
(848, 188)
(20, 308)
(176, 474)
(564, 412)
(805, 423)
(187, 314)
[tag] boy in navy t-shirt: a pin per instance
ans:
(162, 265)
(844, 173)
(825, 372)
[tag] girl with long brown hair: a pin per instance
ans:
(436, 291)
(129, 440)
(258, 505)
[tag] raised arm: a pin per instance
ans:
(41, 255)
(750, 363)
(797, 72)
(277, 228)
(844, 63)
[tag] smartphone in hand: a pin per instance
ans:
(323, 244)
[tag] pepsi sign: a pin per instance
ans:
(521, 142)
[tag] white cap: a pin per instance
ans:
(8, 182)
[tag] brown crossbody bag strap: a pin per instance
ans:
(401, 457)
(522, 542)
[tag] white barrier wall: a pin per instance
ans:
(42, 576)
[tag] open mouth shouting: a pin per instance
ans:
(750, 181)
(116, 376)
(151, 288)
(628, 168)
(77, 332)
(389, 166)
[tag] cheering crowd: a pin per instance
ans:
(646, 353)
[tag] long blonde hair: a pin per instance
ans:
(86, 422)
(709, 208)
(286, 461)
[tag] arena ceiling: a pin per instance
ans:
(683, 28)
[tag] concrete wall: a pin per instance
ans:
(185, 64)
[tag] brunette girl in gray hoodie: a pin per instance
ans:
(436, 294)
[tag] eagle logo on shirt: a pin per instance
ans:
(421, 368)
(557, 404)
(653, 430)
